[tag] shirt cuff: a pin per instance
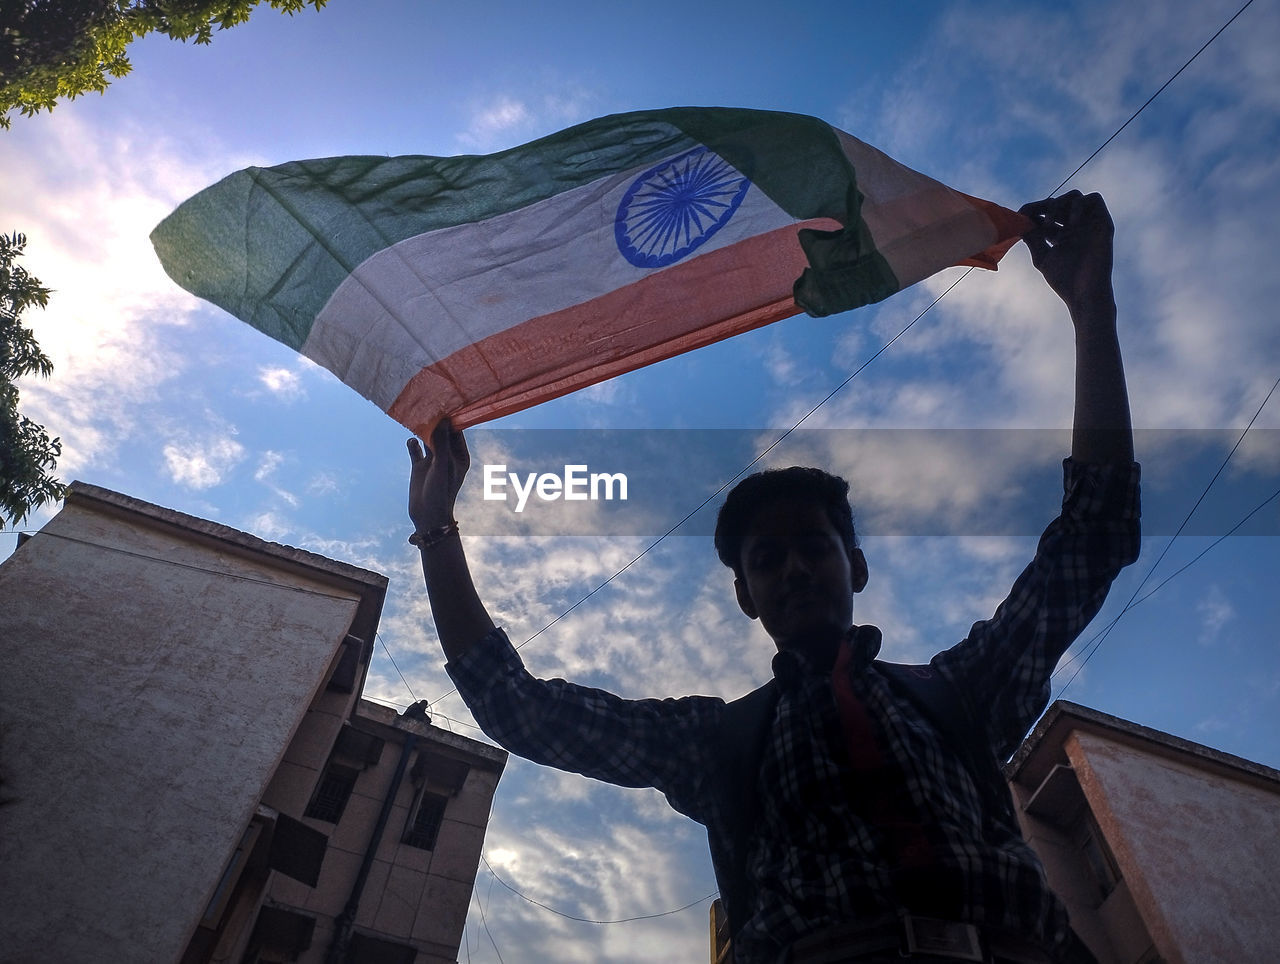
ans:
(485, 661)
(1101, 490)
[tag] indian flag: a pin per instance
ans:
(477, 286)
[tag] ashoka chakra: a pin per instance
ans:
(671, 209)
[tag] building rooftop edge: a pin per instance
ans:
(80, 492)
(495, 756)
(1064, 713)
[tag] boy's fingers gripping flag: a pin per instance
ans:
(477, 286)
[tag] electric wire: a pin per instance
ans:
(876, 355)
(746, 468)
(1199, 555)
(396, 665)
(1102, 637)
(1135, 114)
(1173, 575)
(484, 920)
(588, 920)
(1168, 579)
(434, 713)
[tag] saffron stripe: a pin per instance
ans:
(918, 223)
(424, 299)
(689, 305)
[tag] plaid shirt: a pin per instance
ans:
(815, 860)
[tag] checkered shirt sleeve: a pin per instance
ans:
(632, 743)
(1003, 667)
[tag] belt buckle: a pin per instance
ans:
(942, 938)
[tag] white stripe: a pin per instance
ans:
(918, 224)
(419, 301)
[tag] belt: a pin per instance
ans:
(920, 938)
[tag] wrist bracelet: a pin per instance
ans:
(425, 540)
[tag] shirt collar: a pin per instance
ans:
(791, 665)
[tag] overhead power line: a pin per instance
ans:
(741, 472)
(1163, 582)
(1135, 114)
(485, 920)
(434, 713)
(876, 355)
(588, 920)
(396, 665)
(1199, 555)
(1102, 636)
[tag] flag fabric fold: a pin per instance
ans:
(476, 286)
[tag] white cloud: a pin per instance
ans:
(622, 869)
(322, 484)
(1194, 203)
(546, 103)
(602, 393)
(265, 473)
(782, 367)
(203, 464)
(1212, 725)
(1193, 334)
(495, 123)
(504, 858)
(282, 382)
(268, 525)
(268, 465)
(87, 198)
(1215, 611)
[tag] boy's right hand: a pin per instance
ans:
(436, 476)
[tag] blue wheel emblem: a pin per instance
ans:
(671, 209)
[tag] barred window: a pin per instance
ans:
(425, 825)
(332, 793)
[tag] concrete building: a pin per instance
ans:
(1164, 850)
(189, 773)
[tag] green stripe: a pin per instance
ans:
(798, 162)
(270, 245)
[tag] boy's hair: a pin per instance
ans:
(797, 482)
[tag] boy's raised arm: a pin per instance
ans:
(1071, 245)
(434, 481)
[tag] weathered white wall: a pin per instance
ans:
(148, 688)
(1199, 849)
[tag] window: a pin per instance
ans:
(365, 949)
(333, 792)
(1101, 865)
(280, 935)
(297, 850)
(347, 670)
(425, 825)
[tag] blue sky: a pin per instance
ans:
(177, 403)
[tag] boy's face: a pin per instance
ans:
(797, 577)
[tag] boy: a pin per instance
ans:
(852, 814)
